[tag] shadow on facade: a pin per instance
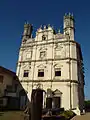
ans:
(36, 110)
(14, 97)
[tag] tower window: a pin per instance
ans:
(1, 79)
(57, 72)
(41, 73)
(43, 37)
(26, 73)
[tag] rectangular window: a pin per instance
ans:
(1, 79)
(57, 72)
(41, 73)
(26, 73)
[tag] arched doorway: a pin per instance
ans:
(56, 99)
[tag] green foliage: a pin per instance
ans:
(87, 103)
(68, 114)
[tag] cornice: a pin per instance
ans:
(50, 42)
(56, 80)
(54, 59)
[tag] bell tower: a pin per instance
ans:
(27, 31)
(69, 26)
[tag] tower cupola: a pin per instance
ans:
(69, 26)
(27, 30)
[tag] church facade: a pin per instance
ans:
(53, 62)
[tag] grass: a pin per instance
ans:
(68, 114)
(12, 115)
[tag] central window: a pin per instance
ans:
(41, 73)
(57, 72)
(43, 37)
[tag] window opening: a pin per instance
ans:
(57, 72)
(26, 73)
(41, 73)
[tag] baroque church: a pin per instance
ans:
(53, 62)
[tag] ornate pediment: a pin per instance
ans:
(28, 50)
(42, 48)
(57, 92)
(38, 86)
(58, 46)
(41, 66)
(26, 65)
(57, 65)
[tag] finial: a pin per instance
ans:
(65, 14)
(26, 22)
(44, 26)
(41, 26)
(48, 25)
(69, 13)
(58, 30)
(52, 27)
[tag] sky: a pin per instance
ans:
(14, 13)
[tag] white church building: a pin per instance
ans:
(53, 62)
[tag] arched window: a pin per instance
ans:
(43, 37)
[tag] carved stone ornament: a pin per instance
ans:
(59, 50)
(37, 85)
(26, 66)
(43, 48)
(58, 46)
(42, 54)
(57, 65)
(41, 66)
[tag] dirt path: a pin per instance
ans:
(82, 117)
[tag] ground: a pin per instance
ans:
(12, 115)
(19, 115)
(82, 117)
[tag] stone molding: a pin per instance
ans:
(56, 80)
